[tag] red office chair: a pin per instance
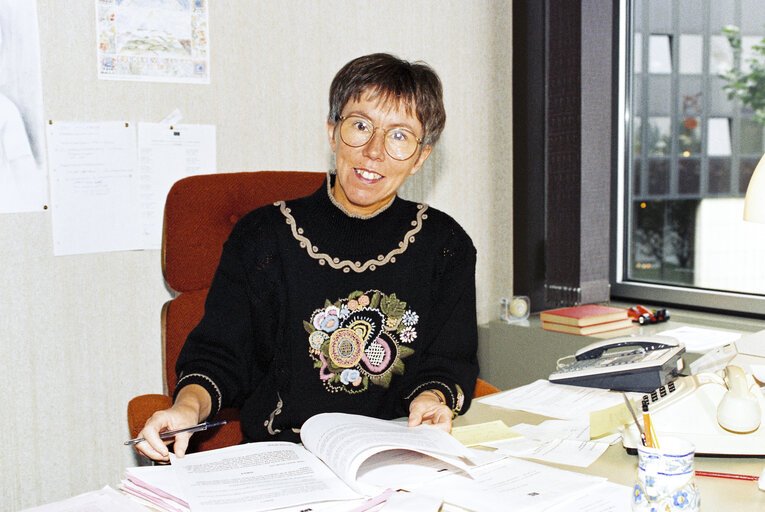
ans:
(199, 214)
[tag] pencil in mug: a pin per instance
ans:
(650, 432)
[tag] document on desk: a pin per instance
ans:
(606, 497)
(576, 430)
(556, 400)
(482, 433)
(528, 486)
(102, 500)
(257, 476)
(157, 485)
(701, 339)
(557, 451)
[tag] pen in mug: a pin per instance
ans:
(171, 433)
(634, 417)
(650, 432)
(647, 425)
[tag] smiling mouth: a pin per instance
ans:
(368, 175)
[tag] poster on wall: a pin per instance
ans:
(153, 40)
(23, 175)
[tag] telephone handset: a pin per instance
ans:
(624, 364)
(739, 410)
(596, 349)
(721, 413)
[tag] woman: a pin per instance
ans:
(349, 300)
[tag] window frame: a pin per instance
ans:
(622, 288)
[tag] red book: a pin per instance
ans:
(588, 329)
(582, 316)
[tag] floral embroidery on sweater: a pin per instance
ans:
(361, 340)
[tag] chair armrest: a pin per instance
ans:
(142, 407)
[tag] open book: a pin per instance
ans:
(338, 450)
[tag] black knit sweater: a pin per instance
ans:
(314, 310)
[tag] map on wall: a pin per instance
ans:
(153, 40)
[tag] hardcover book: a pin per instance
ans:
(584, 315)
(589, 329)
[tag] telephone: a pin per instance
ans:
(629, 363)
(720, 412)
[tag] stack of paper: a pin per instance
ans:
(350, 463)
(154, 486)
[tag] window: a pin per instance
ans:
(686, 154)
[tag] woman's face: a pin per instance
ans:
(367, 176)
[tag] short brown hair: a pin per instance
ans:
(396, 80)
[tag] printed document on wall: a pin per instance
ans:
(166, 154)
(153, 40)
(93, 187)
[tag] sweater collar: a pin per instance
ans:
(330, 183)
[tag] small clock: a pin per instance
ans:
(515, 309)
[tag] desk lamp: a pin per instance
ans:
(751, 349)
(754, 204)
(754, 211)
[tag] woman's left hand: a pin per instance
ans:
(427, 409)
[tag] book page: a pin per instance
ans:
(345, 441)
(257, 476)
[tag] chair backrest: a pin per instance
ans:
(200, 212)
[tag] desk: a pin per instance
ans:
(618, 466)
(512, 355)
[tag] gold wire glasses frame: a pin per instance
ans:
(400, 143)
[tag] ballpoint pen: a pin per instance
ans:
(171, 433)
(634, 416)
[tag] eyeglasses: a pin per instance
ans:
(400, 143)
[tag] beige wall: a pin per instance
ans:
(79, 335)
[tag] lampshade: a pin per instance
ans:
(754, 204)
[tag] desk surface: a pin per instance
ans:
(620, 467)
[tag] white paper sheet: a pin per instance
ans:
(411, 501)
(606, 497)
(109, 183)
(699, 340)
(103, 500)
(257, 476)
(562, 429)
(93, 187)
(556, 400)
(166, 154)
(156, 484)
(511, 484)
(558, 451)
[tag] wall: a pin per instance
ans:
(79, 335)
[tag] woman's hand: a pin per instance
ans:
(429, 408)
(191, 405)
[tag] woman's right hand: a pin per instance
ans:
(191, 405)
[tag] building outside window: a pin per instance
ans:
(687, 152)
